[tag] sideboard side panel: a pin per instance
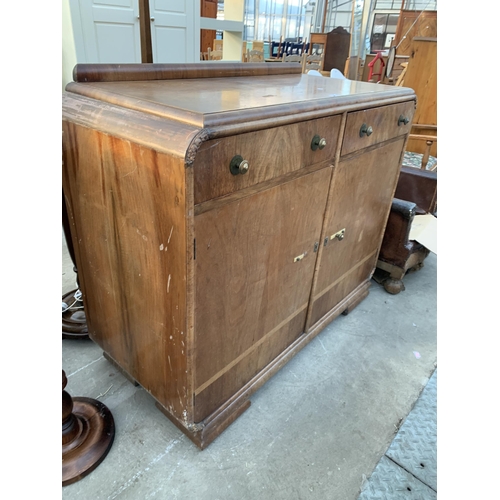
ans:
(126, 205)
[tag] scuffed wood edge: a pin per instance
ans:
(160, 134)
(202, 136)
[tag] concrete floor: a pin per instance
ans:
(316, 430)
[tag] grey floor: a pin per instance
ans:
(319, 429)
(408, 469)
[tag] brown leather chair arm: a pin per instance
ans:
(405, 209)
(396, 246)
(418, 186)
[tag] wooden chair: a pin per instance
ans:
(424, 161)
(312, 61)
(214, 55)
(244, 52)
(258, 45)
(218, 44)
(255, 55)
(293, 58)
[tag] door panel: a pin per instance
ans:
(173, 31)
(361, 194)
(252, 285)
(111, 31)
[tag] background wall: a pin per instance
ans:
(68, 45)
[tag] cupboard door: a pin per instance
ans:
(360, 200)
(254, 267)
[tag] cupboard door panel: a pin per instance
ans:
(361, 194)
(254, 267)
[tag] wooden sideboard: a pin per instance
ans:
(221, 216)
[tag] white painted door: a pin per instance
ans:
(175, 33)
(111, 32)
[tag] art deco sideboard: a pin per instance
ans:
(222, 214)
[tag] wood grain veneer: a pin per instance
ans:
(200, 284)
(280, 151)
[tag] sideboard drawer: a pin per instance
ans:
(269, 153)
(372, 126)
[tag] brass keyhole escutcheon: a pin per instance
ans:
(238, 165)
(403, 120)
(365, 130)
(318, 143)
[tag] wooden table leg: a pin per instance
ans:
(88, 431)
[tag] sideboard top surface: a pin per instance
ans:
(215, 102)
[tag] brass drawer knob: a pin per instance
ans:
(365, 130)
(238, 165)
(318, 143)
(403, 120)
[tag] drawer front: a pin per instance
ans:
(270, 153)
(372, 126)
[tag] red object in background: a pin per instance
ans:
(371, 65)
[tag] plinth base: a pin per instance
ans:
(82, 455)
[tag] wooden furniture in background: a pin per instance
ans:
(255, 55)
(335, 44)
(396, 72)
(223, 215)
(145, 31)
(430, 142)
(376, 69)
(400, 80)
(421, 76)
(406, 31)
(313, 61)
(416, 194)
(258, 45)
(208, 8)
(214, 55)
(218, 45)
(88, 431)
(293, 58)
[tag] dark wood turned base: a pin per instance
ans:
(74, 322)
(203, 433)
(88, 431)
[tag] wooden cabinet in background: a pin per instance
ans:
(421, 76)
(221, 217)
(411, 24)
(335, 44)
(208, 8)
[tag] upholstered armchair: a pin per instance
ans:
(416, 194)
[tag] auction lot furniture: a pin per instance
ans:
(221, 216)
(416, 194)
